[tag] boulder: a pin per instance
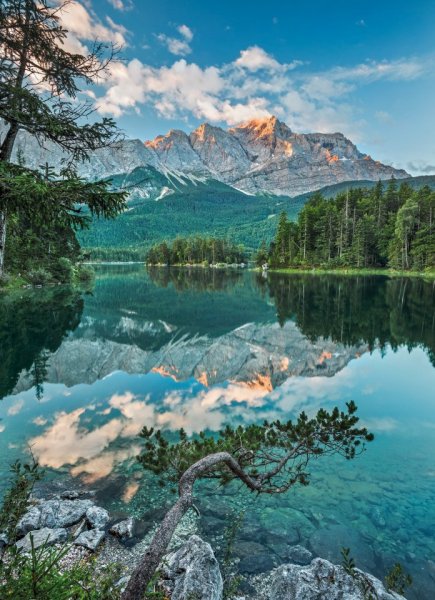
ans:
(90, 539)
(97, 517)
(63, 513)
(3, 540)
(29, 521)
(193, 572)
(299, 555)
(124, 530)
(322, 579)
(41, 537)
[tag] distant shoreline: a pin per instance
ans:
(289, 271)
(350, 271)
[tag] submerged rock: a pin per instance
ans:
(42, 537)
(97, 517)
(124, 530)
(90, 539)
(299, 555)
(193, 572)
(327, 541)
(322, 579)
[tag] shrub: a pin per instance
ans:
(38, 276)
(62, 270)
(85, 273)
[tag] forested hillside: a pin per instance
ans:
(163, 207)
(386, 226)
(207, 208)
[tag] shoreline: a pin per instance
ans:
(354, 272)
(289, 270)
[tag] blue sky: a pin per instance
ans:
(363, 68)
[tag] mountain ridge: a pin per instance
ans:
(266, 156)
(260, 156)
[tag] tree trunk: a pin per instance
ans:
(3, 223)
(8, 143)
(145, 570)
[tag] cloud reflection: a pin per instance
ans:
(91, 442)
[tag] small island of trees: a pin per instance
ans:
(196, 251)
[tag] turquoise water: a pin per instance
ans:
(80, 374)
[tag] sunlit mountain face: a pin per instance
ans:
(200, 349)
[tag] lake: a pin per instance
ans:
(82, 373)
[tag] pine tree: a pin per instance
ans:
(39, 86)
(268, 459)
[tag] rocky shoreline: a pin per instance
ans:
(190, 570)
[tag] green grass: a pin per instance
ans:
(12, 282)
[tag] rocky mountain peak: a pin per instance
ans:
(162, 141)
(263, 128)
(204, 131)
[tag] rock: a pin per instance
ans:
(378, 518)
(248, 548)
(193, 572)
(63, 513)
(256, 563)
(97, 517)
(212, 525)
(286, 522)
(29, 521)
(325, 581)
(90, 539)
(124, 530)
(299, 555)
(328, 541)
(70, 495)
(41, 537)
(3, 540)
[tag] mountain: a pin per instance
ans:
(261, 156)
(265, 156)
(213, 181)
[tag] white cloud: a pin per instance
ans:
(255, 58)
(255, 84)
(178, 46)
(84, 25)
(122, 5)
(186, 32)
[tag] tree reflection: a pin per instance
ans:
(33, 324)
(195, 278)
(375, 310)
